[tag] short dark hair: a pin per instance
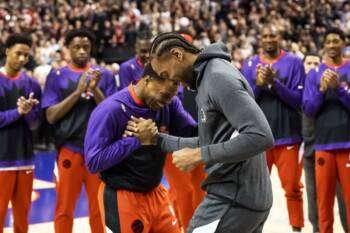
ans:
(336, 31)
(18, 39)
(79, 33)
(168, 40)
(148, 71)
(313, 54)
(144, 34)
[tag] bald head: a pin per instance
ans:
(270, 39)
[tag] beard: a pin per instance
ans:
(81, 61)
(188, 77)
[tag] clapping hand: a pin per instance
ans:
(24, 106)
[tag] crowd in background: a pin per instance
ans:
(116, 23)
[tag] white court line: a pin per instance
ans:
(42, 184)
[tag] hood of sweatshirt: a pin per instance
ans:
(216, 50)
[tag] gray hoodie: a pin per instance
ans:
(233, 133)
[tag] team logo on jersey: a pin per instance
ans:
(173, 222)
(137, 226)
(321, 161)
(202, 115)
(172, 211)
(250, 63)
(67, 163)
(123, 107)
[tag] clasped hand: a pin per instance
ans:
(145, 130)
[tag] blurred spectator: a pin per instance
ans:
(40, 73)
(311, 61)
(347, 52)
(116, 23)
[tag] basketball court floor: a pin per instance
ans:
(43, 204)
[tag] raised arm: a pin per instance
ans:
(292, 91)
(56, 107)
(169, 143)
(248, 73)
(34, 117)
(240, 109)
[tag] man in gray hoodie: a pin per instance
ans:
(233, 135)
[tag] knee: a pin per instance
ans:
(64, 216)
(65, 211)
(95, 214)
(293, 189)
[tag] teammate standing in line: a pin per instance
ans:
(19, 114)
(312, 61)
(327, 100)
(132, 69)
(277, 78)
(131, 168)
(70, 95)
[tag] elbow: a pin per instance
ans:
(91, 163)
(93, 169)
(50, 121)
(269, 140)
(34, 126)
(49, 117)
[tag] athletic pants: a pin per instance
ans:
(289, 168)
(185, 190)
(125, 211)
(331, 166)
(72, 174)
(310, 184)
(16, 186)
